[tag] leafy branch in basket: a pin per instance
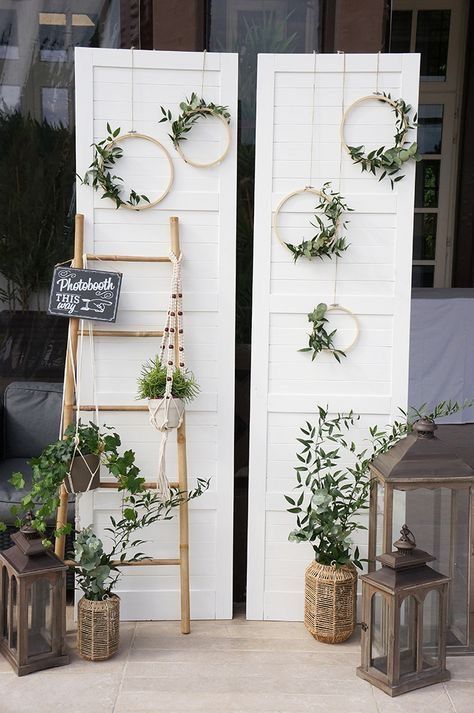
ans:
(320, 339)
(100, 176)
(327, 241)
(390, 161)
(192, 110)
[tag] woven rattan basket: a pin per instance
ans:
(98, 628)
(330, 601)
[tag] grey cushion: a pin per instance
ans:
(10, 495)
(32, 412)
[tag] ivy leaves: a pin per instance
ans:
(192, 110)
(100, 176)
(390, 161)
(319, 338)
(326, 242)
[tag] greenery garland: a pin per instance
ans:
(326, 241)
(192, 110)
(390, 161)
(99, 176)
(320, 339)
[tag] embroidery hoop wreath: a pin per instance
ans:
(320, 340)
(327, 241)
(99, 174)
(192, 110)
(390, 161)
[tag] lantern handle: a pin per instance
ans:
(407, 541)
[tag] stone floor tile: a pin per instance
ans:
(432, 699)
(461, 668)
(461, 694)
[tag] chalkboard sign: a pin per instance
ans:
(86, 294)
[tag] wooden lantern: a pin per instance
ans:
(404, 608)
(421, 480)
(32, 604)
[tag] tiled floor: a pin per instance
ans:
(223, 666)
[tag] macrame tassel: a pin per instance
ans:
(162, 482)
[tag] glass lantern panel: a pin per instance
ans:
(380, 520)
(440, 520)
(40, 617)
(4, 585)
(407, 635)
(379, 633)
(431, 618)
(13, 613)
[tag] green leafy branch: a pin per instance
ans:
(100, 176)
(319, 338)
(326, 242)
(192, 110)
(390, 161)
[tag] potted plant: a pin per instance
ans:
(152, 386)
(75, 461)
(98, 571)
(326, 512)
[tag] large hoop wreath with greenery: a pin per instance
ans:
(389, 161)
(99, 175)
(192, 110)
(327, 241)
(320, 339)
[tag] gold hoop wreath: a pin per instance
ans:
(300, 191)
(355, 319)
(106, 155)
(215, 115)
(362, 100)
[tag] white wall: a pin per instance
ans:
(204, 201)
(374, 278)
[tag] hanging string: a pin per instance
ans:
(334, 298)
(312, 122)
(377, 74)
(202, 72)
(132, 130)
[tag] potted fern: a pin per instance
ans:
(152, 386)
(98, 570)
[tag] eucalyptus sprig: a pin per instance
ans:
(99, 174)
(320, 339)
(192, 110)
(327, 241)
(390, 161)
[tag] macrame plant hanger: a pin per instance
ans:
(167, 413)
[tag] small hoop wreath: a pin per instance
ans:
(106, 155)
(320, 339)
(327, 241)
(389, 161)
(192, 110)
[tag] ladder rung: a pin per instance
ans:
(148, 486)
(143, 563)
(109, 407)
(122, 333)
(128, 258)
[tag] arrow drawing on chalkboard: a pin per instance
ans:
(97, 305)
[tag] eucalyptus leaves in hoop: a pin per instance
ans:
(99, 176)
(327, 241)
(389, 161)
(192, 110)
(320, 339)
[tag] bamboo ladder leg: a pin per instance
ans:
(69, 394)
(183, 482)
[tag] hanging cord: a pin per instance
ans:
(334, 298)
(172, 357)
(132, 130)
(312, 122)
(202, 72)
(377, 74)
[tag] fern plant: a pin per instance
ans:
(152, 382)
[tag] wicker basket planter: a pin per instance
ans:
(330, 601)
(98, 626)
(81, 472)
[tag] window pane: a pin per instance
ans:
(55, 105)
(422, 276)
(432, 36)
(430, 128)
(427, 184)
(401, 31)
(9, 97)
(424, 236)
(8, 34)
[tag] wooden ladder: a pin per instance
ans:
(68, 418)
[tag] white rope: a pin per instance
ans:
(334, 297)
(202, 73)
(167, 413)
(132, 130)
(312, 123)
